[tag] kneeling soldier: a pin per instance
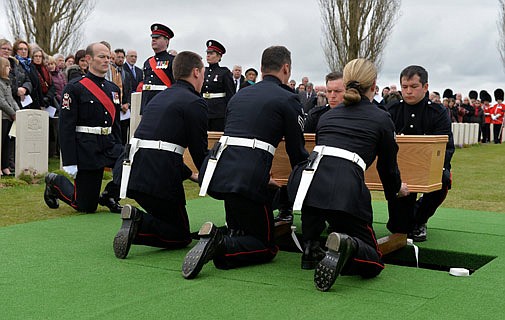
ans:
(238, 170)
(154, 169)
(90, 138)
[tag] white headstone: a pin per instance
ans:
(135, 112)
(32, 141)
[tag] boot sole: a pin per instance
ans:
(198, 255)
(328, 270)
(124, 237)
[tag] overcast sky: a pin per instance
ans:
(456, 41)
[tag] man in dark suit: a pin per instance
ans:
(238, 78)
(90, 136)
(257, 119)
(173, 120)
(308, 97)
(136, 72)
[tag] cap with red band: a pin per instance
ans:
(213, 45)
(158, 30)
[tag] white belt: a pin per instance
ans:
(218, 149)
(94, 130)
(153, 87)
(133, 147)
(207, 95)
(310, 170)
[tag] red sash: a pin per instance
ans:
(159, 73)
(100, 95)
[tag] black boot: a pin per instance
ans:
(312, 254)
(50, 195)
(211, 241)
(285, 215)
(107, 201)
(132, 218)
(340, 248)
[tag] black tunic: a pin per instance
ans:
(164, 61)
(218, 80)
(177, 115)
(89, 151)
(339, 184)
(267, 111)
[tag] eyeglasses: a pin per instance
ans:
(6, 49)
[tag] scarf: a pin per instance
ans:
(25, 62)
(44, 77)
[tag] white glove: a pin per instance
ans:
(71, 170)
(494, 116)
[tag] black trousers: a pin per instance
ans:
(83, 194)
(125, 125)
(496, 133)
(486, 132)
(251, 233)
(407, 212)
(367, 260)
(6, 141)
(165, 225)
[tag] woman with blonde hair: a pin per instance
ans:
(332, 187)
(9, 107)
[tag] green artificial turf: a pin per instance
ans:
(65, 269)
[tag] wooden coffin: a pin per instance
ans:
(420, 158)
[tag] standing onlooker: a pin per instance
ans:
(308, 97)
(238, 78)
(158, 74)
(44, 77)
(497, 112)
(69, 61)
(126, 90)
(218, 87)
(250, 78)
(80, 68)
(23, 53)
(20, 82)
(477, 116)
(292, 84)
(8, 107)
(485, 98)
(136, 72)
(59, 81)
(60, 62)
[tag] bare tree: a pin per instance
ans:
(54, 25)
(356, 29)
(501, 31)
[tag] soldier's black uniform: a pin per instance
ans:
(423, 118)
(268, 112)
(313, 117)
(338, 193)
(90, 152)
(218, 80)
(177, 115)
(164, 61)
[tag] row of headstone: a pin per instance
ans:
(465, 134)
